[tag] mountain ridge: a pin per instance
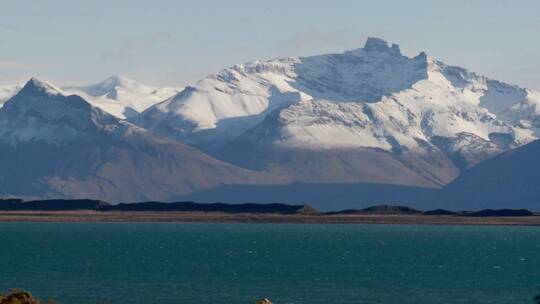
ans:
(373, 97)
(507, 180)
(370, 116)
(121, 96)
(60, 146)
(426, 120)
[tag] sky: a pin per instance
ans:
(172, 42)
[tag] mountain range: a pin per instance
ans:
(116, 95)
(372, 122)
(56, 145)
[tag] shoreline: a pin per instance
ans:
(254, 218)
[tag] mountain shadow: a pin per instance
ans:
(324, 197)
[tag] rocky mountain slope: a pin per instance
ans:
(509, 180)
(331, 154)
(369, 125)
(367, 115)
(60, 146)
(119, 96)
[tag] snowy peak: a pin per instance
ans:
(116, 95)
(41, 112)
(375, 44)
(114, 81)
(362, 75)
(39, 98)
(379, 45)
(109, 86)
(121, 96)
(374, 47)
(37, 87)
(238, 98)
(372, 97)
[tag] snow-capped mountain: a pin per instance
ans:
(40, 112)
(121, 96)
(322, 141)
(369, 98)
(60, 146)
(362, 117)
(525, 113)
(7, 91)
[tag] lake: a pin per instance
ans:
(240, 263)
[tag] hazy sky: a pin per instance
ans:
(171, 42)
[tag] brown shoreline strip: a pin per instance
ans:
(218, 217)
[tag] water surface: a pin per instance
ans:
(238, 263)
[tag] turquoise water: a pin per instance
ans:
(220, 263)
